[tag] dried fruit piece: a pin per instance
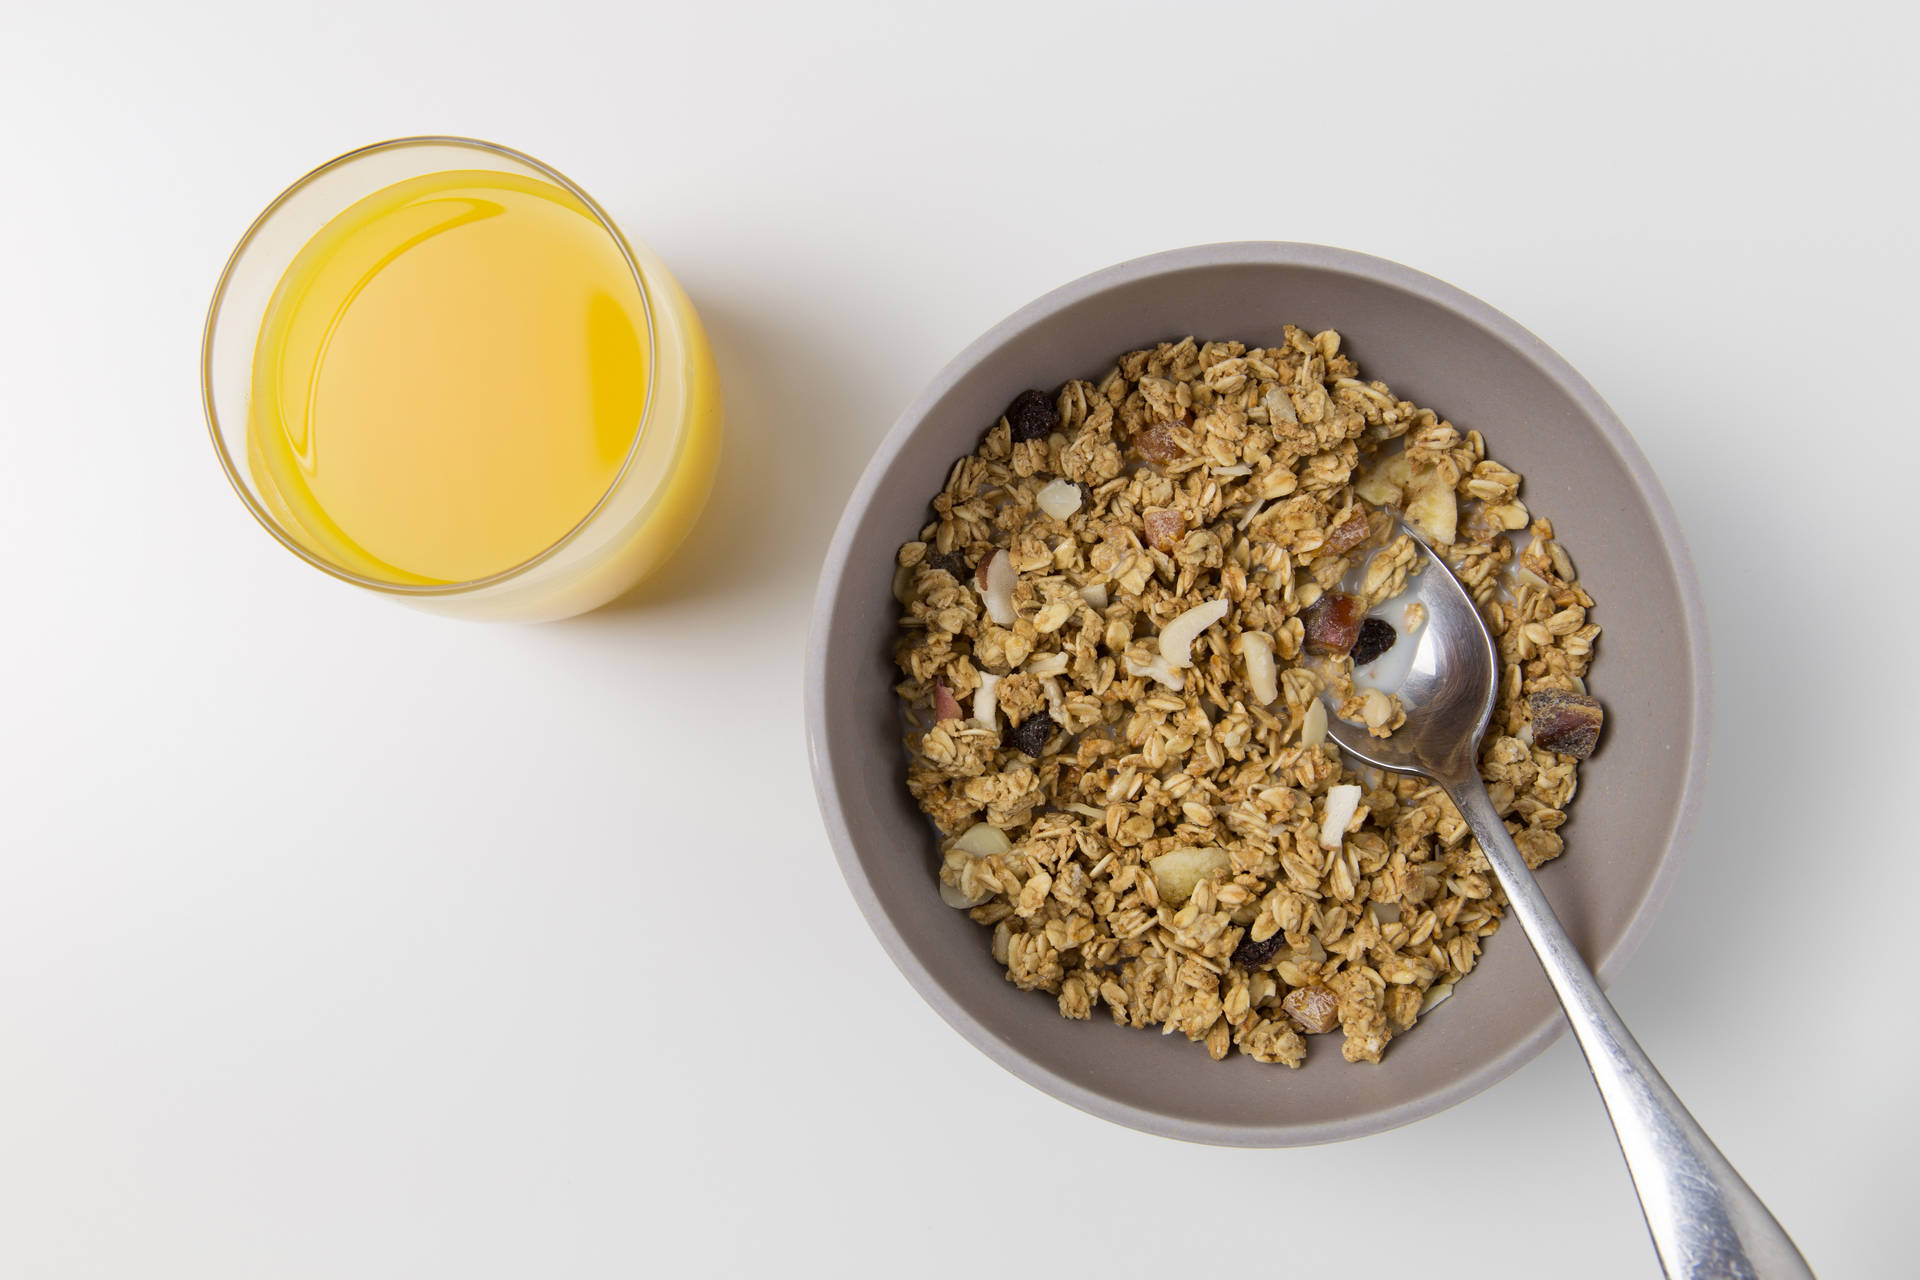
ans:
(953, 562)
(1565, 722)
(997, 578)
(1432, 506)
(1177, 871)
(1385, 484)
(1342, 802)
(1177, 637)
(1376, 637)
(1333, 622)
(1030, 735)
(945, 705)
(1165, 527)
(1157, 444)
(1250, 954)
(1343, 538)
(1316, 1009)
(1059, 498)
(1032, 416)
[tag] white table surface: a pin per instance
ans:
(338, 940)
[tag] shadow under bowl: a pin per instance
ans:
(1433, 345)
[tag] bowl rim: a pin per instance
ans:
(1256, 253)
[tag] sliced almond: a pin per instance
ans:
(1313, 726)
(981, 839)
(1059, 499)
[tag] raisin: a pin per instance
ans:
(1165, 527)
(1376, 637)
(953, 562)
(1333, 622)
(1030, 735)
(1565, 722)
(1343, 538)
(1032, 416)
(1251, 955)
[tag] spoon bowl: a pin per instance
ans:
(1706, 1222)
(1450, 690)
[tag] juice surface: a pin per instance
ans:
(448, 378)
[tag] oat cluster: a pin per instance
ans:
(1113, 700)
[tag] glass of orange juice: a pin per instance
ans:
(434, 368)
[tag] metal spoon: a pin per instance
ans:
(1704, 1219)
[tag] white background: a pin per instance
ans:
(342, 941)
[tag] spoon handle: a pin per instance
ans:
(1705, 1220)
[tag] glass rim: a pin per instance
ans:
(227, 463)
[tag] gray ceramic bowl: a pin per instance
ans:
(1436, 346)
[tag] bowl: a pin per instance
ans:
(1438, 347)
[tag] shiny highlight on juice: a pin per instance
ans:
(448, 379)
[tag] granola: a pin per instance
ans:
(1115, 635)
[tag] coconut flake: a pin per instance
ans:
(1261, 675)
(996, 588)
(1095, 594)
(986, 702)
(1177, 637)
(1237, 469)
(1059, 499)
(1088, 811)
(1047, 664)
(1342, 801)
(1252, 512)
(1313, 726)
(1436, 993)
(1158, 668)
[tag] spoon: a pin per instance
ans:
(1704, 1219)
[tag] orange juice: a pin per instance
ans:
(462, 375)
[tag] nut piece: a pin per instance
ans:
(1316, 1009)
(1333, 622)
(1177, 871)
(1263, 676)
(997, 579)
(1343, 538)
(1165, 527)
(1376, 637)
(1565, 722)
(945, 705)
(1032, 416)
(1059, 499)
